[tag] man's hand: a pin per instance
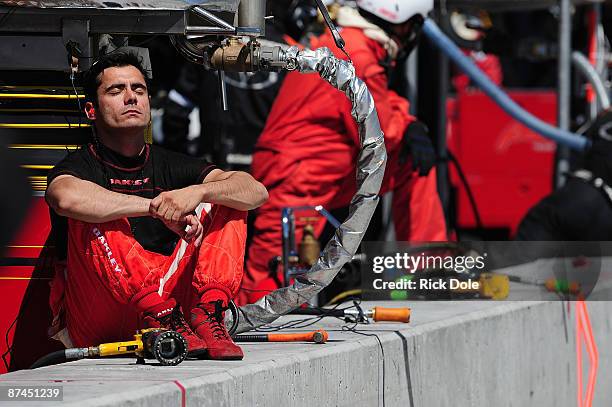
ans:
(172, 206)
(190, 229)
(233, 189)
(417, 144)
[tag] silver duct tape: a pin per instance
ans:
(370, 171)
(221, 5)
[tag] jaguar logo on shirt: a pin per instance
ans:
(130, 182)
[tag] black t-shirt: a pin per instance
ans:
(155, 170)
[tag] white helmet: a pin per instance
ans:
(396, 11)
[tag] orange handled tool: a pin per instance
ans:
(562, 286)
(555, 285)
(389, 314)
(359, 315)
(319, 336)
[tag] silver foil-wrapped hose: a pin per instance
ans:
(370, 171)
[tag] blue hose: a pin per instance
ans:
(439, 39)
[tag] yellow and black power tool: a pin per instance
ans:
(168, 347)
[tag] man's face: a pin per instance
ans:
(123, 99)
(404, 33)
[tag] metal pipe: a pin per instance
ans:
(249, 31)
(564, 65)
(603, 62)
(195, 30)
(222, 90)
(212, 18)
(593, 40)
(442, 174)
(288, 226)
(251, 13)
(588, 71)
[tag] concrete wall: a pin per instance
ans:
(451, 354)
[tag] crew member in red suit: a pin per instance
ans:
(141, 230)
(307, 152)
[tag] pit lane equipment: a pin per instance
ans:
(442, 42)
(168, 347)
(295, 257)
(372, 160)
(202, 33)
(356, 314)
(553, 285)
(319, 336)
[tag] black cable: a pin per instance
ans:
(53, 358)
(76, 95)
(298, 324)
(252, 290)
(327, 312)
(304, 322)
(317, 311)
(340, 43)
(468, 190)
(352, 328)
(9, 347)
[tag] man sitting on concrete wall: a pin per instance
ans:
(142, 228)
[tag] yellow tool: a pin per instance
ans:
(494, 286)
(168, 347)
(497, 286)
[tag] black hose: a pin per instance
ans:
(468, 190)
(250, 338)
(52, 358)
(235, 317)
(319, 311)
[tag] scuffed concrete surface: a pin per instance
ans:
(471, 353)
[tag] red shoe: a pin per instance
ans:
(169, 315)
(207, 322)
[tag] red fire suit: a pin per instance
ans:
(306, 156)
(107, 267)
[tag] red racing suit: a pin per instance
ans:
(106, 277)
(107, 267)
(307, 152)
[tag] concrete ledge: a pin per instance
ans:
(472, 353)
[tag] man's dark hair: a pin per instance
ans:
(91, 79)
